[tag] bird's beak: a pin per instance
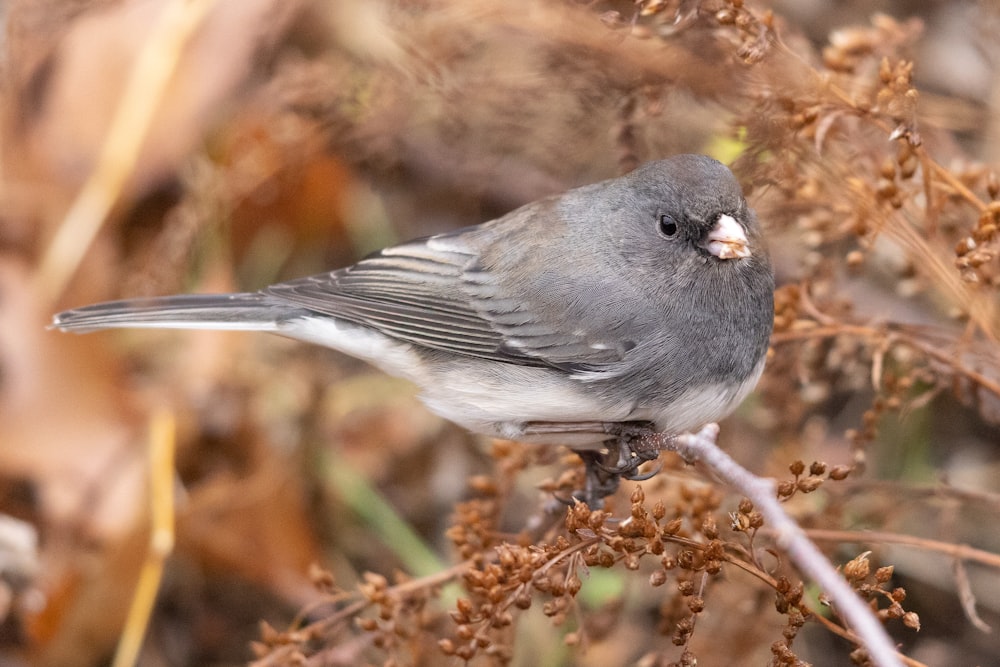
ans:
(727, 240)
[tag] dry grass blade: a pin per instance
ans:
(130, 125)
(162, 443)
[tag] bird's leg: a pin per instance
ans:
(598, 482)
(627, 448)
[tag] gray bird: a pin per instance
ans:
(637, 305)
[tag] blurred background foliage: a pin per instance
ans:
(269, 139)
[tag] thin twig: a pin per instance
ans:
(791, 539)
(958, 551)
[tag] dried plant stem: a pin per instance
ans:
(127, 133)
(937, 491)
(287, 654)
(936, 351)
(791, 539)
(962, 552)
(161, 540)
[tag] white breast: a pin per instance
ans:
(499, 399)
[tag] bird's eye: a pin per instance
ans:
(667, 226)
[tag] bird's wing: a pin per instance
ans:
(432, 293)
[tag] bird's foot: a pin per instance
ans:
(629, 447)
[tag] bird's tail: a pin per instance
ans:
(249, 311)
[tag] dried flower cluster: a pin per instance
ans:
(361, 122)
(682, 551)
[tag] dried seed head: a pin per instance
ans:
(858, 568)
(839, 472)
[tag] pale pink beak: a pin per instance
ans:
(727, 240)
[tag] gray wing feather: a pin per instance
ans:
(409, 292)
(431, 294)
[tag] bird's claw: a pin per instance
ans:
(636, 476)
(625, 454)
